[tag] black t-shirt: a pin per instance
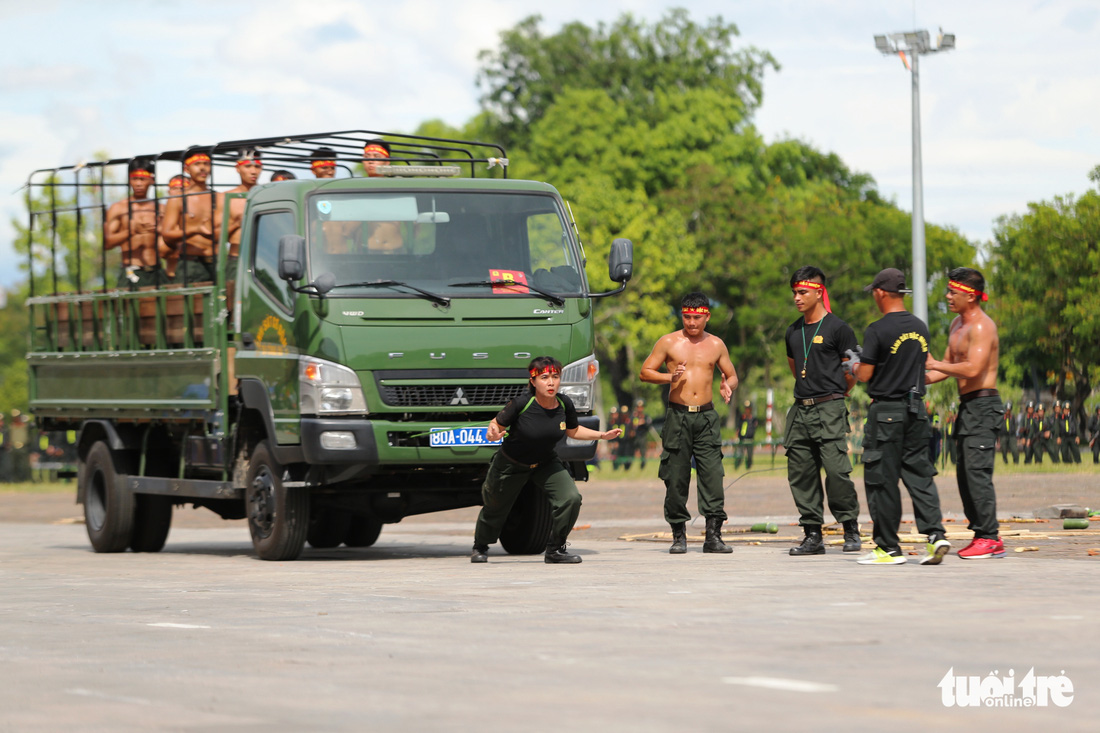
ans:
(897, 346)
(824, 375)
(533, 432)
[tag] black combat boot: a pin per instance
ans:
(679, 539)
(556, 553)
(812, 544)
(713, 541)
(479, 554)
(852, 541)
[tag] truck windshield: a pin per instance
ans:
(464, 244)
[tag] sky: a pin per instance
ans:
(1011, 116)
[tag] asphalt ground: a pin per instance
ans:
(408, 635)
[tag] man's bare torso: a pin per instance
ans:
(696, 385)
(197, 223)
(139, 218)
(963, 338)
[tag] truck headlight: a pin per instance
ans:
(325, 388)
(578, 380)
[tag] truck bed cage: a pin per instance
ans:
(72, 200)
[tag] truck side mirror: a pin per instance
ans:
(620, 261)
(292, 257)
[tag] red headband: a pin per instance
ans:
(197, 158)
(701, 310)
(139, 173)
(548, 369)
(322, 164)
(816, 286)
(250, 161)
(376, 148)
(956, 285)
(177, 183)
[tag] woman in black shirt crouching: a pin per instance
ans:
(532, 425)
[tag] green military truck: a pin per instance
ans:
(320, 387)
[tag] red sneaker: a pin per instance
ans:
(983, 548)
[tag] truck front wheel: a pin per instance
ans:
(327, 527)
(108, 507)
(278, 516)
(363, 532)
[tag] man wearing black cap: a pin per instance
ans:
(896, 442)
(817, 423)
(1041, 433)
(1070, 435)
(1027, 432)
(973, 349)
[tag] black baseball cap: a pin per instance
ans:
(892, 280)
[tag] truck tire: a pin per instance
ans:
(152, 520)
(278, 517)
(108, 508)
(528, 525)
(327, 527)
(363, 532)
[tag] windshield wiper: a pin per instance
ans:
(555, 299)
(438, 299)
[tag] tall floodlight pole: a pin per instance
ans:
(909, 46)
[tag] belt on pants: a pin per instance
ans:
(963, 398)
(811, 401)
(195, 258)
(518, 463)
(690, 408)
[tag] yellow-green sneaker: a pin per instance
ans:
(934, 552)
(879, 556)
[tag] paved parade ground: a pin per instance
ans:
(408, 635)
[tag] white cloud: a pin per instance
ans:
(1010, 116)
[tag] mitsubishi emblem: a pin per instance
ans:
(459, 398)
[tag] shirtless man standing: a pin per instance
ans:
(249, 168)
(169, 248)
(972, 354)
(690, 356)
(131, 224)
(190, 218)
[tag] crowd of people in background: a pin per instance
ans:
(1030, 433)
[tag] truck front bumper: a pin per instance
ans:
(376, 443)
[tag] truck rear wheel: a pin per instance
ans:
(327, 527)
(363, 532)
(108, 508)
(278, 517)
(528, 525)
(152, 520)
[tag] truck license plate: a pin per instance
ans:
(446, 438)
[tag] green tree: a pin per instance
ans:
(1046, 266)
(629, 59)
(13, 350)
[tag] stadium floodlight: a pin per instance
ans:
(910, 46)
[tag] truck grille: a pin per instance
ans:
(448, 395)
